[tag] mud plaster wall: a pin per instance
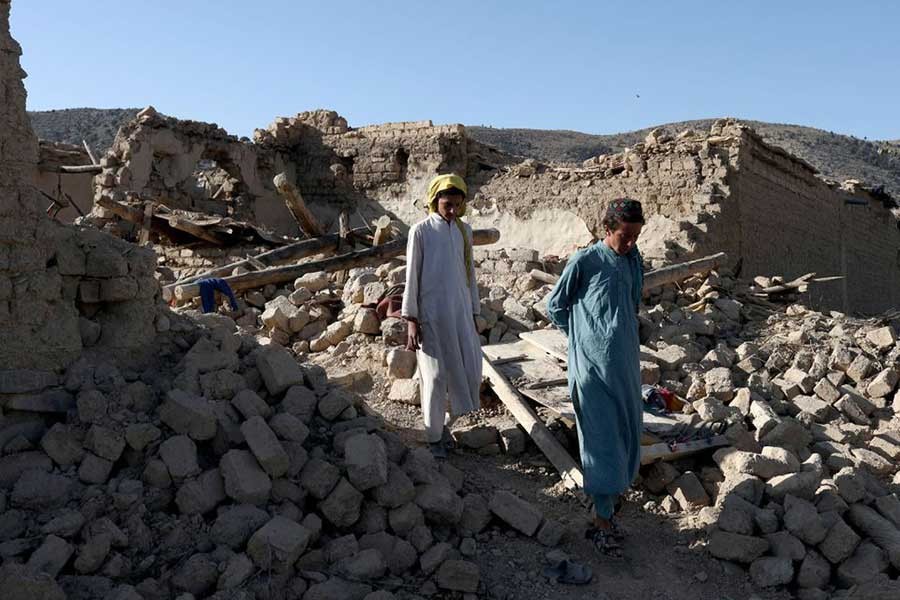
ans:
(58, 285)
(76, 187)
(792, 222)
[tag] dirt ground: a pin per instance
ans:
(662, 557)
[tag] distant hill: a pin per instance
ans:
(97, 126)
(836, 156)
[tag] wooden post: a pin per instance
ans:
(144, 236)
(307, 221)
(195, 230)
(570, 472)
(543, 276)
(382, 230)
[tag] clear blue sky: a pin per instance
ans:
(547, 65)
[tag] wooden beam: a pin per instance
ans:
(543, 276)
(186, 291)
(657, 277)
(673, 273)
(664, 452)
(307, 221)
(81, 169)
(90, 154)
(569, 470)
(195, 230)
(271, 258)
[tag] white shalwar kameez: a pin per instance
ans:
(439, 296)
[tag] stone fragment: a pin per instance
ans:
(342, 506)
(92, 554)
(319, 477)
(434, 557)
(249, 404)
(105, 443)
(189, 415)
(245, 481)
(882, 338)
(883, 383)
(405, 391)
(278, 369)
(337, 589)
(364, 565)
(41, 491)
(689, 492)
(265, 446)
(235, 524)
(803, 520)
(840, 542)
(51, 556)
(397, 490)
(179, 453)
(866, 563)
(334, 403)
(289, 427)
(201, 495)
(770, 571)
(366, 459)
(62, 444)
(439, 502)
(515, 512)
(140, 435)
(458, 575)
(476, 436)
(785, 545)
(401, 363)
(366, 321)
(196, 576)
(278, 543)
(815, 571)
(238, 570)
(736, 547)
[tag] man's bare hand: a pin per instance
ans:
(413, 335)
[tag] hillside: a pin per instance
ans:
(97, 126)
(836, 156)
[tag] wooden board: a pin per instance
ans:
(551, 341)
(536, 368)
(663, 451)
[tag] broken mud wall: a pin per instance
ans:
(792, 222)
(61, 288)
(68, 188)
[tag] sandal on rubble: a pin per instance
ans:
(617, 532)
(604, 542)
(569, 572)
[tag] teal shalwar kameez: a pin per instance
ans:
(595, 304)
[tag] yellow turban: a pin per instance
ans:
(446, 182)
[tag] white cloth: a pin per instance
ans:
(438, 296)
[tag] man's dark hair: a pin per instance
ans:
(622, 210)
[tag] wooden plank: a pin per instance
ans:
(545, 383)
(569, 470)
(551, 341)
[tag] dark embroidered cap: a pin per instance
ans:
(625, 210)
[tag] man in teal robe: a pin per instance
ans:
(595, 304)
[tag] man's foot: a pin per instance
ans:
(447, 439)
(438, 450)
(604, 542)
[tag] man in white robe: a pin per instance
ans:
(439, 304)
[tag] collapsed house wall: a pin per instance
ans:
(790, 221)
(61, 288)
(703, 192)
(66, 188)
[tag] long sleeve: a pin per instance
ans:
(410, 307)
(638, 279)
(562, 296)
(473, 288)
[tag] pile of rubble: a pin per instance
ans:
(806, 495)
(227, 470)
